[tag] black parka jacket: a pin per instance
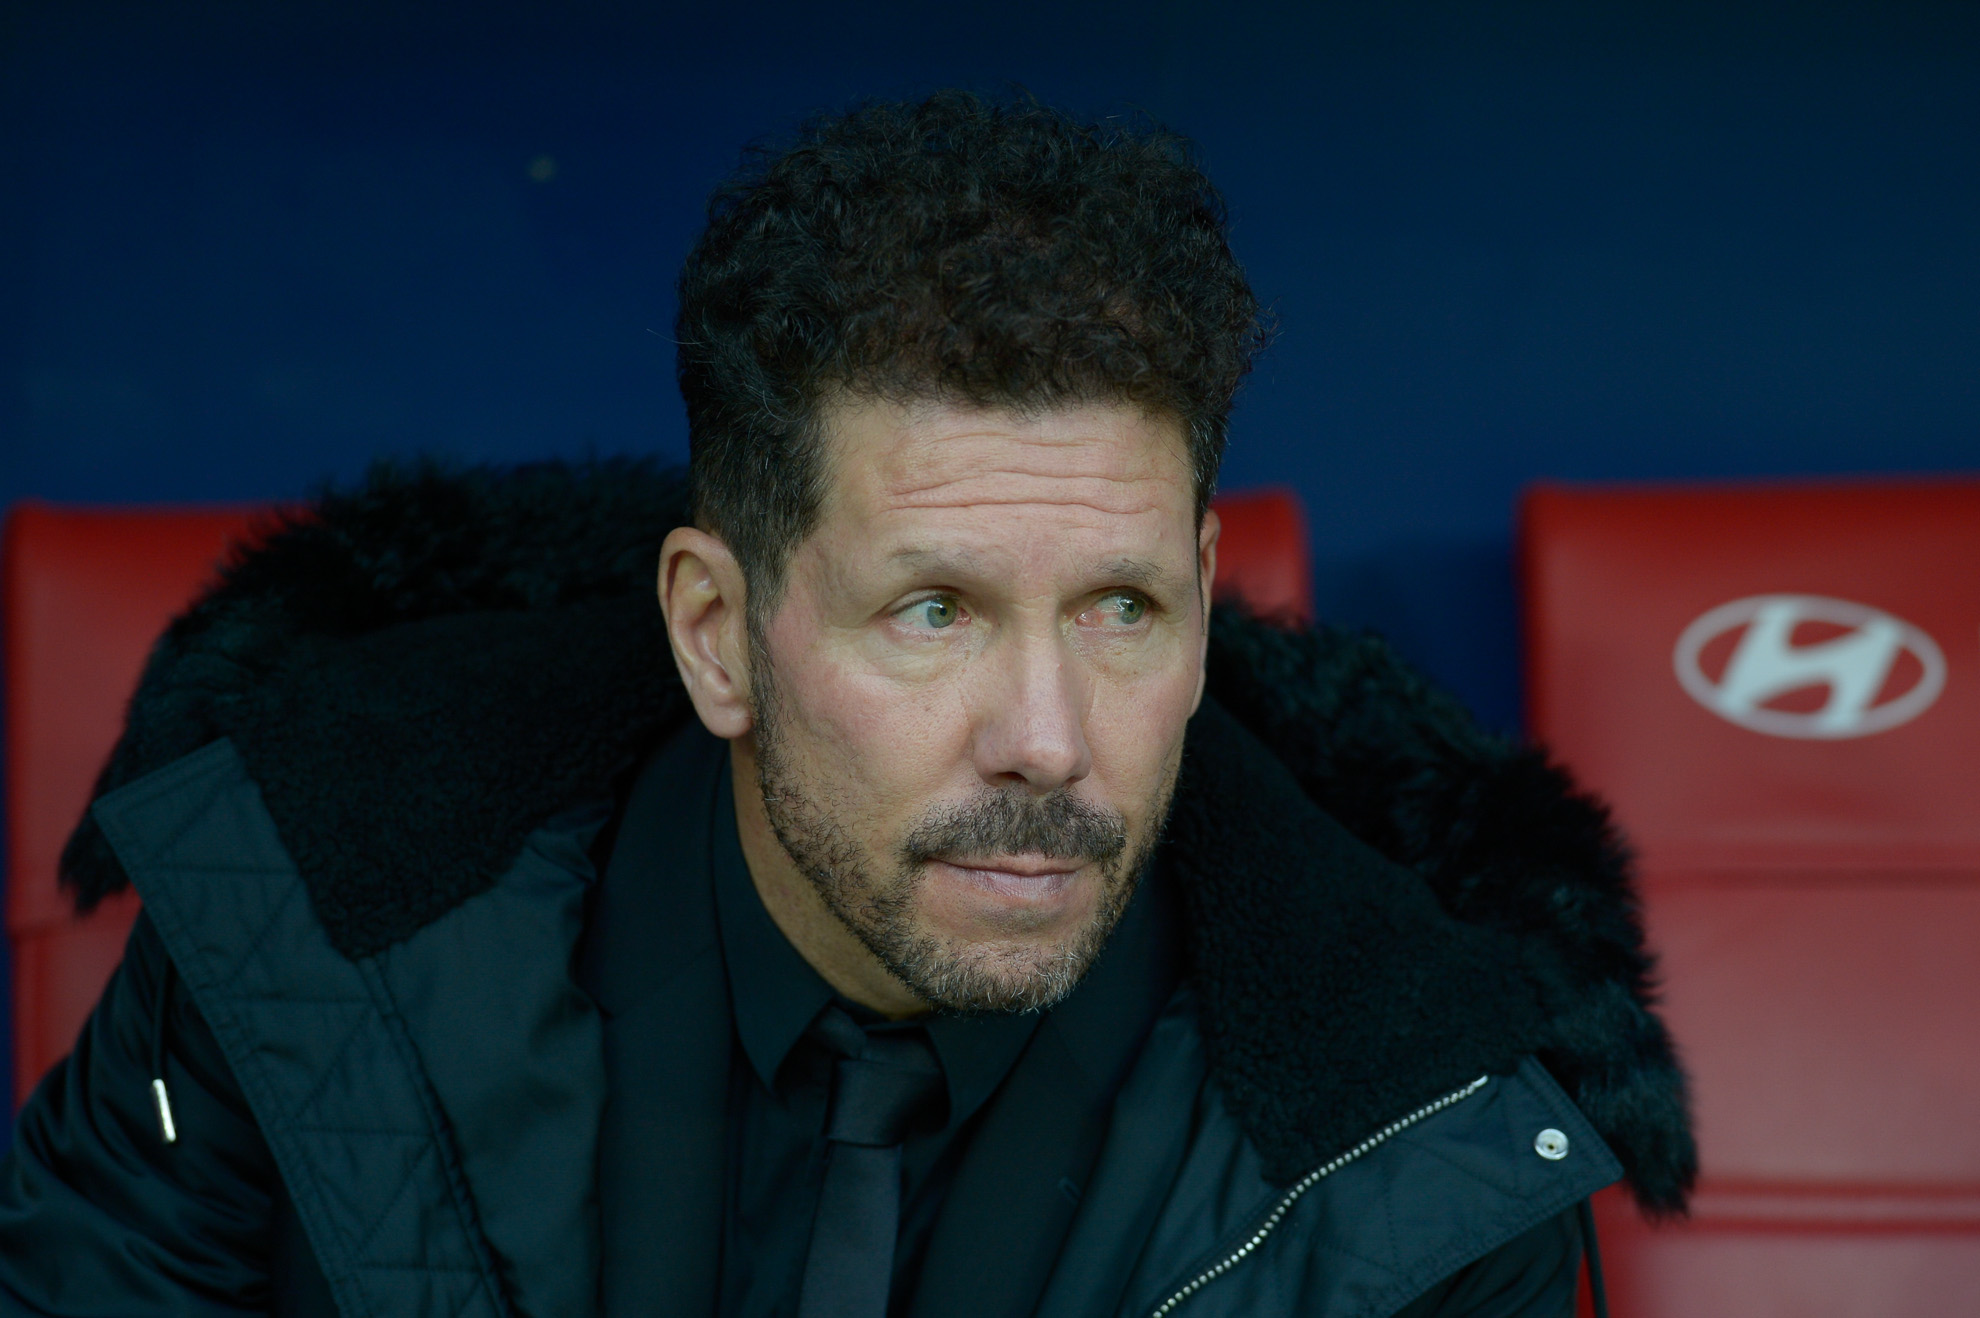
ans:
(357, 791)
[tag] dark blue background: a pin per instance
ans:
(248, 246)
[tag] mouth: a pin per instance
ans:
(1022, 879)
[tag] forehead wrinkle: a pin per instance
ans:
(917, 558)
(934, 477)
(919, 439)
(963, 454)
(1102, 494)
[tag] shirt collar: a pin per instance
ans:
(775, 991)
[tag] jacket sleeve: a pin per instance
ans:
(1530, 1276)
(99, 1215)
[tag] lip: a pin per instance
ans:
(1032, 867)
(1022, 879)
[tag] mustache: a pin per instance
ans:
(1061, 826)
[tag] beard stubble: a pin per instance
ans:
(878, 903)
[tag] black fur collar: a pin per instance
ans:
(1386, 901)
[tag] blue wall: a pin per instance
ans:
(249, 246)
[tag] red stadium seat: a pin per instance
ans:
(1779, 691)
(86, 592)
(1261, 554)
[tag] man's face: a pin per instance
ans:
(971, 698)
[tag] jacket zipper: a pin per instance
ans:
(1305, 1183)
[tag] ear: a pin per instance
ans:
(703, 598)
(1206, 577)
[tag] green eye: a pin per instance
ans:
(937, 612)
(1129, 608)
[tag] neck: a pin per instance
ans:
(799, 910)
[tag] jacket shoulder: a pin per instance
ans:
(417, 673)
(379, 1083)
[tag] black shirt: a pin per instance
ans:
(713, 1117)
(777, 1098)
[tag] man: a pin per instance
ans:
(963, 923)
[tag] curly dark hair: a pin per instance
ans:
(994, 253)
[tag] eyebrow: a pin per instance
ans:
(1137, 572)
(1134, 572)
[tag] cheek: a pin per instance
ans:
(879, 745)
(1136, 730)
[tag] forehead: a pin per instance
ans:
(1105, 459)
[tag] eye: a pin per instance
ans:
(936, 612)
(1123, 609)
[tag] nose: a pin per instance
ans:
(1031, 719)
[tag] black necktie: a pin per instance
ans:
(883, 1084)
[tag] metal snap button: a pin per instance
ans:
(1550, 1144)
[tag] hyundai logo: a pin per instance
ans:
(1810, 667)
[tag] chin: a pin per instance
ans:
(976, 984)
(1001, 970)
